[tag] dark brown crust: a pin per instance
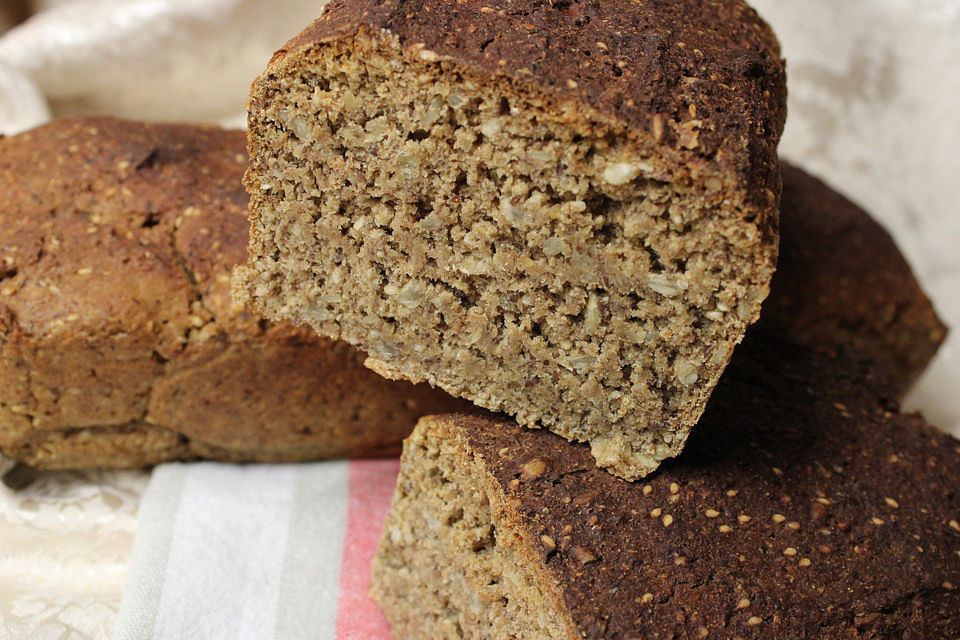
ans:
(12, 13)
(842, 285)
(118, 336)
(657, 67)
(853, 510)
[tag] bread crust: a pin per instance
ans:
(842, 285)
(119, 342)
(665, 70)
(804, 506)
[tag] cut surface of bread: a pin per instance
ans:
(119, 343)
(564, 213)
(802, 507)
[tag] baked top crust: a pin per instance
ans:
(704, 79)
(803, 506)
(106, 230)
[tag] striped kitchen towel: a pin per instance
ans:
(258, 552)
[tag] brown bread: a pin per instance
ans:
(252, 399)
(119, 344)
(804, 507)
(564, 211)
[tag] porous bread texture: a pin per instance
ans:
(119, 343)
(515, 247)
(441, 531)
(803, 507)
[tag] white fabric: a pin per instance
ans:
(225, 542)
(189, 60)
(246, 595)
(65, 542)
(22, 105)
(874, 87)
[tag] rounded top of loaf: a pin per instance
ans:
(843, 285)
(118, 229)
(702, 78)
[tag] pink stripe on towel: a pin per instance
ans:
(371, 488)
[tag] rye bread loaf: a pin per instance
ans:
(802, 507)
(119, 343)
(843, 286)
(563, 211)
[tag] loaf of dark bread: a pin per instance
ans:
(563, 211)
(803, 507)
(119, 343)
(843, 286)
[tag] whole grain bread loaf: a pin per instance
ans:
(803, 507)
(843, 286)
(119, 343)
(563, 211)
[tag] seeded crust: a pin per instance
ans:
(566, 212)
(802, 507)
(843, 286)
(119, 344)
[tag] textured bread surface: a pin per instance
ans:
(119, 343)
(566, 212)
(802, 507)
(843, 286)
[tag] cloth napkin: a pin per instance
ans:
(258, 552)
